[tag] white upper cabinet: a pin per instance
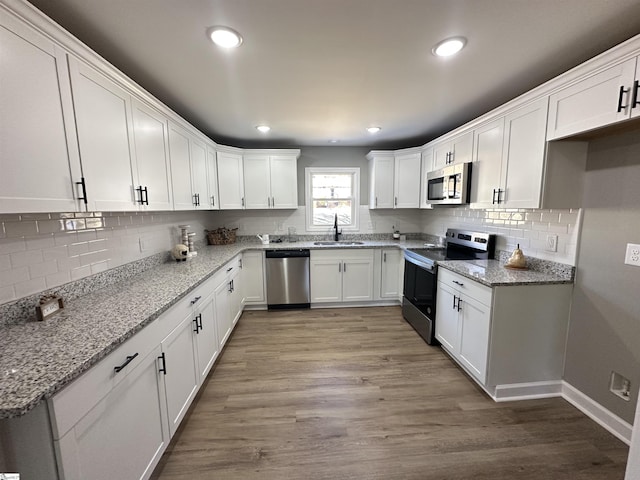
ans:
(151, 136)
(104, 126)
(488, 165)
(381, 171)
(180, 154)
(38, 156)
(394, 179)
(450, 150)
(427, 166)
(600, 99)
(199, 181)
(407, 180)
(230, 181)
(270, 181)
(212, 178)
(524, 153)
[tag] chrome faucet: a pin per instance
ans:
(335, 225)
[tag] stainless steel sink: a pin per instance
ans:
(339, 242)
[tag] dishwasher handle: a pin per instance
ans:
(296, 253)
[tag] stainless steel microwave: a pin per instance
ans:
(449, 185)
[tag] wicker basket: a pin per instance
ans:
(221, 236)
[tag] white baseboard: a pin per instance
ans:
(527, 391)
(596, 412)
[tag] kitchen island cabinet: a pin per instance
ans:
(509, 338)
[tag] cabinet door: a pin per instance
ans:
(199, 183)
(151, 135)
(487, 164)
(124, 435)
(253, 277)
(212, 178)
(181, 378)
(326, 279)
(257, 185)
(474, 336)
(407, 181)
(104, 124)
(381, 178)
(357, 280)
(592, 102)
(180, 155)
(230, 181)
(224, 321)
(284, 181)
(447, 326)
(523, 150)
(235, 296)
(37, 135)
(441, 155)
(391, 276)
(427, 166)
(462, 148)
(207, 344)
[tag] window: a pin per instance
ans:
(332, 191)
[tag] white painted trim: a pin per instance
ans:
(596, 412)
(527, 391)
(375, 303)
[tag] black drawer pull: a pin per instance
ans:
(622, 92)
(126, 362)
(200, 321)
(164, 364)
(458, 283)
(634, 97)
(195, 300)
(84, 190)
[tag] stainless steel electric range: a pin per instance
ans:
(420, 275)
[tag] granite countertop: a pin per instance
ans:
(37, 359)
(493, 273)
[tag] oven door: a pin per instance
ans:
(419, 302)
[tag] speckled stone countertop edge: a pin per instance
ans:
(36, 394)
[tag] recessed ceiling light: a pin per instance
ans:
(263, 128)
(373, 129)
(224, 37)
(449, 47)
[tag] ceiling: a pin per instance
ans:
(321, 70)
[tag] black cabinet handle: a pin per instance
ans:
(454, 302)
(458, 283)
(233, 287)
(229, 269)
(395, 201)
(213, 200)
(195, 300)
(240, 264)
(140, 190)
(459, 302)
(195, 320)
(200, 321)
(146, 196)
(126, 362)
(622, 92)
(384, 257)
(634, 96)
(493, 198)
(84, 190)
(164, 364)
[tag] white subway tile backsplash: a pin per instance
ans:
(50, 226)
(29, 287)
(55, 253)
(80, 272)
(41, 242)
(11, 245)
(22, 259)
(550, 216)
(57, 279)
(66, 238)
(43, 269)
(7, 294)
(78, 248)
(99, 267)
(5, 263)
(20, 229)
(13, 276)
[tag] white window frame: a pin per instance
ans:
(355, 172)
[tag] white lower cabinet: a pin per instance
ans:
(228, 299)
(463, 321)
(253, 278)
(510, 339)
(125, 433)
(178, 365)
(391, 273)
(206, 336)
(341, 275)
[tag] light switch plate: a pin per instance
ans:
(632, 257)
(552, 243)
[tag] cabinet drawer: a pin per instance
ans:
(343, 254)
(76, 399)
(465, 285)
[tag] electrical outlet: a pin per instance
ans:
(552, 243)
(632, 257)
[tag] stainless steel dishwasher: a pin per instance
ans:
(288, 278)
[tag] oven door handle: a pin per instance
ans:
(420, 264)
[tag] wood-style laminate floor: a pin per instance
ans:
(356, 394)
